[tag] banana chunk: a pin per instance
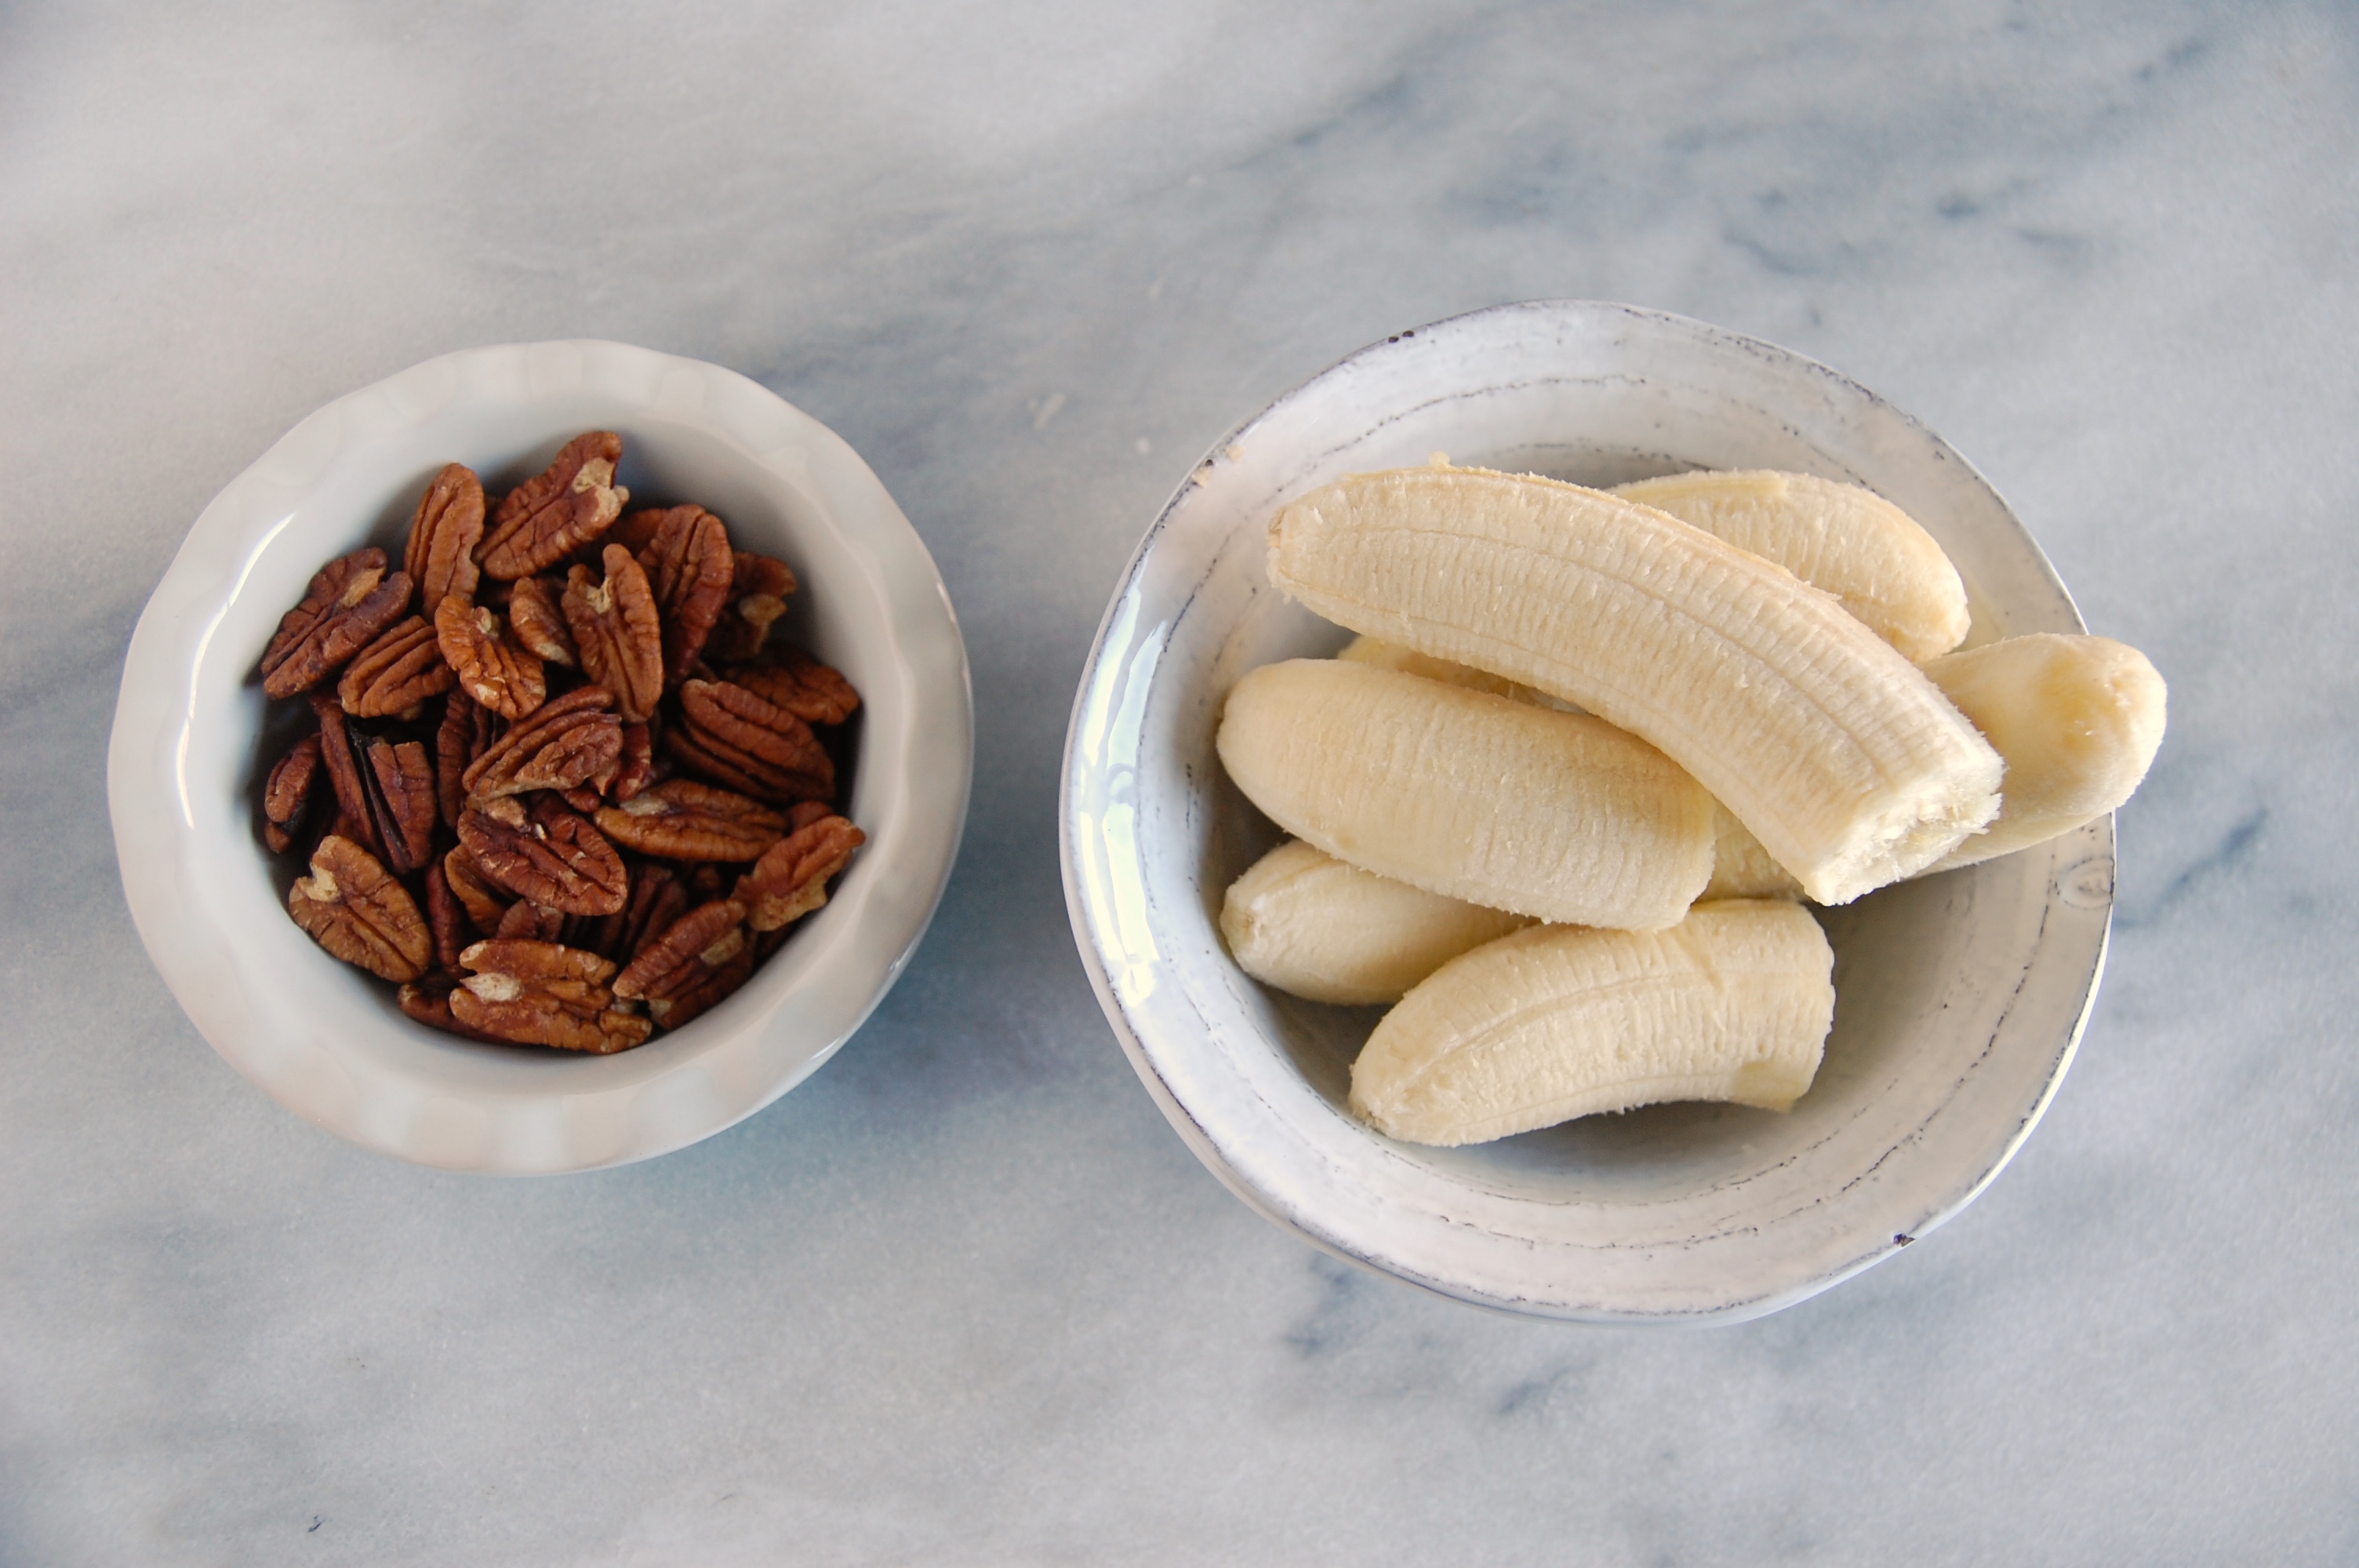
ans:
(1550, 1023)
(1851, 542)
(1842, 758)
(2078, 719)
(1556, 815)
(1315, 927)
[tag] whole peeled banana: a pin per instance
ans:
(1556, 815)
(1552, 1022)
(1834, 750)
(1851, 542)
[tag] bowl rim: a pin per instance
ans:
(2087, 855)
(505, 1110)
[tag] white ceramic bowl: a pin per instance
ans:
(324, 1039)
(1959, 997)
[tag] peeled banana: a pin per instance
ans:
(1556, 815)
(1733, 1004)
(1741, 868)
(1313, 926)
(2078, 719)
(1839, 756)
(1851, 542)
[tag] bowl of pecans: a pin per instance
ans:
(542, 759)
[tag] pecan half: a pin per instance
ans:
(732, 735)
(658, 898)
(354, 908)
(446, 917)
(688, 566)
(355, 819)
(538, 993)
(569, 740)
(618, 631)
(538, 622)
(698, 959)
(288, 795)
(349, 602)
(680, 819)
(791, 880)
(758, 591)
(444, 535)
(545, 853)
(467, 733)
(559, 510)
(638, 769)
(395, 673)
(492, 669)
(637, 529)
(429, 1001)
(802, 686)
(402, 801)
(533, 922)
(486, 902)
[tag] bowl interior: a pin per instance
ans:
(1958, 995)
(330, 1041)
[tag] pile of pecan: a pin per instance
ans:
(575, 789)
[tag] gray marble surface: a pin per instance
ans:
(963, 1297)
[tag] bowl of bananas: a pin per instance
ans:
(1598, 816)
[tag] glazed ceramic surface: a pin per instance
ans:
(185, 764)
(1959, 997)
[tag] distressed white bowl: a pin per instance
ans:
(1961, 997)
(325, 1040)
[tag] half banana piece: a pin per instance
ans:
(1555, 815)
(1549, 1023)
(2078, 718)
(1834, 750)
(1851, 542)
(1313, 926)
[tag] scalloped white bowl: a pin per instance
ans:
(325, 1040)
(1959, 998)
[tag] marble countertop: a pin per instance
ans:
(963, 1297)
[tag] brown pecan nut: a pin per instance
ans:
(790, 880)
(538, 993)
(638, 769)
(730, 733)
(658, 898)
(617, 632)
(429, 1001)
(486, 902)
(355, 819)
(354, 908)
(401, 800)
(569, 740)
(699, 959)
(545, 853)
(635, 530)
(288, 795)
(802, 686)
(558, 511)
(680, 819)
(468, 732)
(395, 673)
(533, 922)
(689, 568)
(491, 668)
(444, 535)
(539, 622)
(446, 917)
(758, 591)
(349, 602)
